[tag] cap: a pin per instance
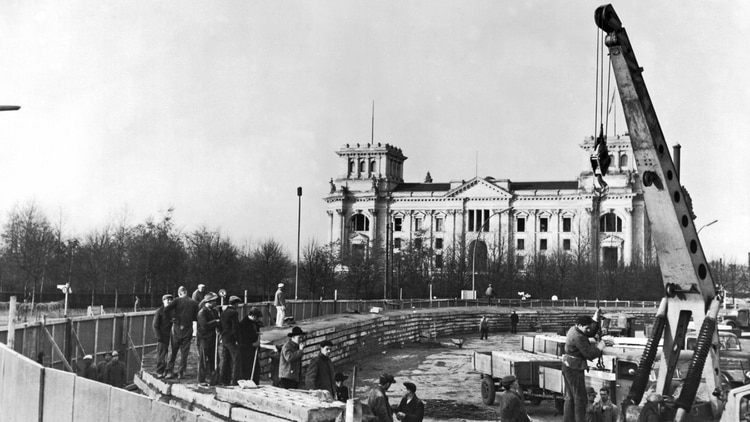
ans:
(115, 354)
(655, 398)
(210, 296)
(234, 299)
(89, 357)
(339, 377)
(281, 284)
(255, 311)
(410, 386)
(508, 380)
(201, 285)
(387, 378)
(590, 391)
(165, 297)
(296, 331)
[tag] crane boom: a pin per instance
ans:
(689, 287)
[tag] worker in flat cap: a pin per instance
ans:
(512, 407)
(230, 349)
(162, 331)
(591, 413)
(208, 324)
(86, 368)
(411, 408)
(200, 293)
(279, 301)
(377, 399)
(250, 345)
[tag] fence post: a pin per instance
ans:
(12, 323)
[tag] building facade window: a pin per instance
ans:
(543, 224)
(360, 223)
(397, 243)
(566, 244)
(624, 160)
(520, 244)
(610, 258)
(478, 220)
(567, 224)
(417, 224)
(520, 224)
(542, 244)
(372, 167)
(439, 243)
(610, 223)
(438, 261)
(418, 243)
(439, 224)
(520, 262)
(398, 224)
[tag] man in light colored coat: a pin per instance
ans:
(279, 301)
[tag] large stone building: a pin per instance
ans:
(371, 205)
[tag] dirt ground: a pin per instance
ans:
(444, 378)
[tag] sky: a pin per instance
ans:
(221, 109)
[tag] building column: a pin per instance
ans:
(342, 230)
(627, 247)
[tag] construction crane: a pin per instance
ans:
(689, 290)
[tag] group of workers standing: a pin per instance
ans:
(109, 371)
(221, 336)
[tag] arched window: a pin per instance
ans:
(372, 167)
(610, 223)
(351, 167)
(624, 160)
(612, 161)
(360, 223)
(362, 167)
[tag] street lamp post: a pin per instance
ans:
(476, 242)
(299, 220)
(706, 225)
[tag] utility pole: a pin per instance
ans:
(299, 221)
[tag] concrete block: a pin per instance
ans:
(240, 414)
(21, 386)
(164, 412)
(202, 397)
(91, 401)
(125, 406)
(156, 384)
(59, 388)
(296, 405)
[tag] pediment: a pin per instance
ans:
(478, 188)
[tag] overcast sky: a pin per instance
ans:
(222, 108)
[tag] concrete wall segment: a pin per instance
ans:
(91, 401)
(59, 390)
(22, 378)
(125, 406)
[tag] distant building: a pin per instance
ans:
(370, 204)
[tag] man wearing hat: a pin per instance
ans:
(377, 399)
(290, 363)
(512, 408)
(114, 373)
(591, 414)
(162, 331)
(411, 408)
(279, 302)
(208, 323)
(86, 369)
(578, 351)
(230, 336)
(320, 370)
(250, 345)
(200, 293)
(342, 391)
(184, 311)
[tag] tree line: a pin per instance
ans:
(154, 257)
